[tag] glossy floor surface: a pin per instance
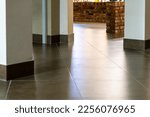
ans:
(94, 66)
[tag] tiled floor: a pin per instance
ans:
(94, 66)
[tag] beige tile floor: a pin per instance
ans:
(94, 66)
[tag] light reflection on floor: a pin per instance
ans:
(94, 66)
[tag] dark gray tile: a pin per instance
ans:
(99, 67)
(79, 52)
(51, 75)
(145, 83)
(117, 90)
(3, 89)
(45, 51)
(47, 66)
(92, 63)
(43, 90)
(113, 73)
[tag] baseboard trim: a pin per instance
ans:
(37, 38)
(136, 44)
(10, 72)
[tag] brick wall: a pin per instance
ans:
(90, 12)
(111, 13)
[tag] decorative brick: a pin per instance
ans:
(90, 12)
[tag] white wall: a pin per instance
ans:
(60, 17)
(53, 17)
(3, 32)
(66, 17)
(16, 31)
(37, 16)
(135, 19)
(49, 30)
(70, 14)
(19, 31)
(147, 20)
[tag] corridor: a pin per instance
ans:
(93, 66)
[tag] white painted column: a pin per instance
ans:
(15, 36)
(137, 26)
(37, 21)
(59, 22)
(3, 57)
(53, 17)
(66, 18)
(147, 20)
(44, 21)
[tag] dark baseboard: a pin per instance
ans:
(53, 39)
(37, 38)
(136, 44)
(10, 72)
(66, 38)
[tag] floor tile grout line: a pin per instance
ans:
(120, 66)
(115, 64)
(8, 89)
(123, 69)
(89, 43)
(71, 76)
(74, 82)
